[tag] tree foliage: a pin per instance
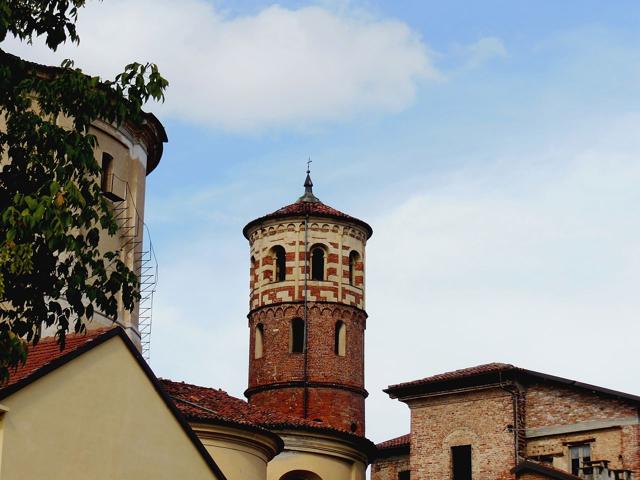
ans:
(52, 211)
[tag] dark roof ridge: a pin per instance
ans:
(395, 442)
(395, 446)
(489, 369)
(313, 209)
(150, 123)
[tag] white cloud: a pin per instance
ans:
(279, 67)
(483, 51)
(532, 261)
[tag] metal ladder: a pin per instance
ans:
(136, 239)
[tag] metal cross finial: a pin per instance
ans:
(308, 186)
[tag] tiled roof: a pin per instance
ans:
(494, 373)
(458, 374)
(198, 403)
(317, 209)
(401, 441)
(205, 403)
(47, 350)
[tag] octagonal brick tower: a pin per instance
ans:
(307, 330)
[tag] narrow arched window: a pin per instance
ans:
(252, 274)
(106, 181)
(353, 265)
(297, 336)
(317, 263)
(340, 346)
(258, 341)
(280, 264)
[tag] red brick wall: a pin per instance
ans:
(549, 405)
(480, 419)
(553, 405)
(336, 407)
(330, 407)
(388, 468)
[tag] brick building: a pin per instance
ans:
(498, 421)
(305, 417)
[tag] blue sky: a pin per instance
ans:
(493, 146)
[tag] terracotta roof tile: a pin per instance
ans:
(483, 374)
(197, 402)
(209, 404)
(204, 403)
(458, 374)
(401, 441)
(48, 350)
(317, 209)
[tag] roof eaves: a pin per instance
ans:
(581, 385)
(366, 445)
(215, 419)
(497, 375)
(278, 214)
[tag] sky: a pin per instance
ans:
(493, 146)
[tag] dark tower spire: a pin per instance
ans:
(308, 188)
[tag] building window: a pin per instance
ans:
(340, 344)
(580, 456)
(461, 462)
(280, 264)
(404, 475)
(317, 263)
(353, 265)
(258, 341)
(297, 336)
(106, 181)
(252, 274)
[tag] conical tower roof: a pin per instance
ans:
(308, 204)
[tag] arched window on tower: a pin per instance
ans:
(340, 344)
(258, 341)
(317, 263)
(252, 273)
(297, 336)
(280, 264)
(353, 265)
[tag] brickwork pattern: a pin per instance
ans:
(319, 384)
(553, 405)
(338, 240)
(278, 365)
(479, 418)
(388, 468)
(482, 419)
(329, 407)
(549, 405)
